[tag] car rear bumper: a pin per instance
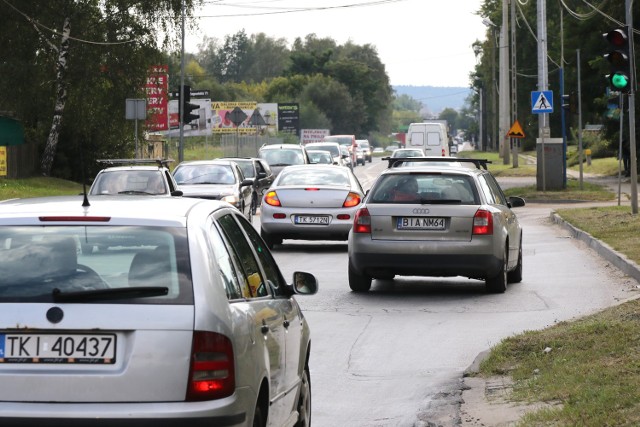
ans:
(381, 265)
(337, 230)
(228, 412)
(477, 259)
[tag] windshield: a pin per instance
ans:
(145, 265)
(204, 174)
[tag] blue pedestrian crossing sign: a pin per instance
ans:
(542, 102)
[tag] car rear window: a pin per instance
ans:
(282, 157)
(424, 188)
(334, 150)
(94, 263)
(129, 181)
(326, 176)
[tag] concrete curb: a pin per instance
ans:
(624, 264)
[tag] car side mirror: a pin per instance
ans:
(246, 182)
(515, 202)
(262, 175)
(176, 193)
(304, 283)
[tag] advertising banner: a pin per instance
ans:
(3, 161)
(308, 136)
(256, 114)
(157, 90)
(289, 118)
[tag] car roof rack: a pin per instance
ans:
(479, 163)
(159, 162)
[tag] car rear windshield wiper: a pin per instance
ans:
(109, 294)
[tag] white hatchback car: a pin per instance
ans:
(143, 310)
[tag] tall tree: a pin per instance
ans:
(61, 49)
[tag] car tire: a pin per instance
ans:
(515, 275)
(498, 283)
(358, 282)
(304, 400)
(269, 239)
(258, 417)
(254, 203)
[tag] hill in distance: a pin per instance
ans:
(434, 98)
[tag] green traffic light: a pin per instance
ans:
(619, 81)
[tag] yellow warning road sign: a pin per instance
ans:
(516, 131)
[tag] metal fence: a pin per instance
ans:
(245, 146)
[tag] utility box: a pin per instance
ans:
(550, 164)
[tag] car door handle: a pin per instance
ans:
(286, 323)
(265, 328)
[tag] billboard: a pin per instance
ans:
(289, 118)
(222, 118)
(312, 135)
(157, 91)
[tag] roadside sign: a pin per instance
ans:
(542, 102)
(516, 130)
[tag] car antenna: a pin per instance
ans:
(85, 201)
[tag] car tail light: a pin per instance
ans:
(312, 189)
(362, 221)
(444, 154)
(212, 371)
(483, 222)
(271, 198)
(353, 199)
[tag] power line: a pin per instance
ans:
(284, 10)
(35, 22)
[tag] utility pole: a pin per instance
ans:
(514, 85)
(504, 84)
(543, 81)
(632, 111)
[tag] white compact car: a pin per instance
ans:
(146, 310)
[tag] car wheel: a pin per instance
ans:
(515, 275)
(498, 283)
(268, 239)
(304, 401)
(358, 282)
(258, 418)
(254, 203)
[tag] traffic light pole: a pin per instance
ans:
(182, 112)
(632, 112)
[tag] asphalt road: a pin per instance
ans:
(395, 356)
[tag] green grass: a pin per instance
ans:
(37, 187)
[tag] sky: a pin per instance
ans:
(420, 42)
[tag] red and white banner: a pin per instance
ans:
(157, 90)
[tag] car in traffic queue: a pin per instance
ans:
(402, 153)
(439, 221)
(339, 157)
(360, 156)
(134, 177)
(183, 320)
(259, 171)
(315, 202)
(321, 157)
(347, 158)
(366, 148)
(279, 156)
(348, 141)
(216, 180)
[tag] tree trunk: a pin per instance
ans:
(61, 98)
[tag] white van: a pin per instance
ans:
(431, 137)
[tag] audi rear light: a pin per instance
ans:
(353, 199)
(271, 198)
(483, 222)
(212, 370)
(362, 221)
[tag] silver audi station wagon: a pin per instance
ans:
(432, 220)
(146, 310)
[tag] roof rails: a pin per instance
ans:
(159, 162)
(397, 161)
